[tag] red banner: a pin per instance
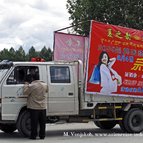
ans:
(115, 64)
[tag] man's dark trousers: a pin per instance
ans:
(38, 117)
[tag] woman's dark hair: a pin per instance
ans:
(101, 56)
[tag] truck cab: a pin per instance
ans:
(62, 96)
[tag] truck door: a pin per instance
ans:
(12, 90)
(63, 91)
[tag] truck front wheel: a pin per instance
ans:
(24, 124)
(133, 121)
(105, 124)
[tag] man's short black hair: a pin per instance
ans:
(35, 76)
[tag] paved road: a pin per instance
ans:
(76, 133)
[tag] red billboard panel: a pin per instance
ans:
(69, 47)
(115, 64)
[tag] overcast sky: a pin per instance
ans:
(31, 22)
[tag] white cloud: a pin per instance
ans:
(31, 22)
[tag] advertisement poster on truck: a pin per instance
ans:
(69, 47)
(115, 63)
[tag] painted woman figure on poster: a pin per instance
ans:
(105, 75)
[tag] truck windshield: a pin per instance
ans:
(4, 66)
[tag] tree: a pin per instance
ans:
(5, 55)
(50, 54)
(20, 54)
(12, 54)
(32, 53)
(126, 13)
(46, 54)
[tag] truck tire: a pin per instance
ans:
(8, 128)
(23, 124)
(105, 124)
(133, 121)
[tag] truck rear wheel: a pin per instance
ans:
(133, 121)
(24, 124)
(105, 124)
(8, 128)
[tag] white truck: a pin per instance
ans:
(68, 98)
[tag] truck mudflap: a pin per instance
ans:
(7, 128)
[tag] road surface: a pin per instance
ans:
(76, 133)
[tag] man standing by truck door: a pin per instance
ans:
(37, 104)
